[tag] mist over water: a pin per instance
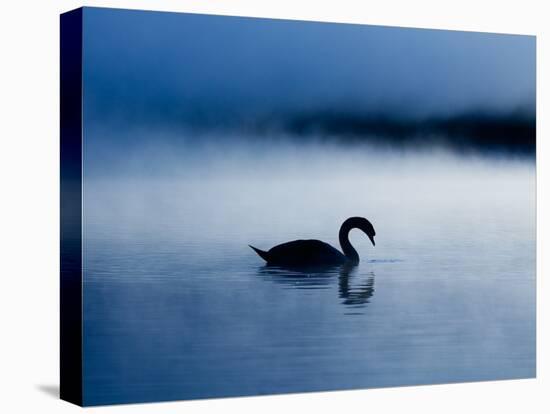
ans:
(177, 305)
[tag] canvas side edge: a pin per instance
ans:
(71, 207)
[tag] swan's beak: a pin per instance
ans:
(372, 240)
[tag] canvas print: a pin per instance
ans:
(259, 206)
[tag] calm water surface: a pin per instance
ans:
(176, 305)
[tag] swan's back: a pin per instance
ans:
(304, 253)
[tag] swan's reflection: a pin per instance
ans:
(352, 295)
(358, 294)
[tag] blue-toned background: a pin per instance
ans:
(203, 134)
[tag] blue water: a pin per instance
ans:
(177, 306)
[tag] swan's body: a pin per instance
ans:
(316, 252)
(302, 253)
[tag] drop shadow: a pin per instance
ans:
(51, 390)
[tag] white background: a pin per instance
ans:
(29, 194)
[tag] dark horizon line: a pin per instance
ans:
(511, 132)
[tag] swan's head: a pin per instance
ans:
(363, 224)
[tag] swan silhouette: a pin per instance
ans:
(299, 253)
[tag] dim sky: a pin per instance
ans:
(175, 69)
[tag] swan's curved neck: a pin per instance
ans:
(347, 248)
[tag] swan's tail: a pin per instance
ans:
(261, 253)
